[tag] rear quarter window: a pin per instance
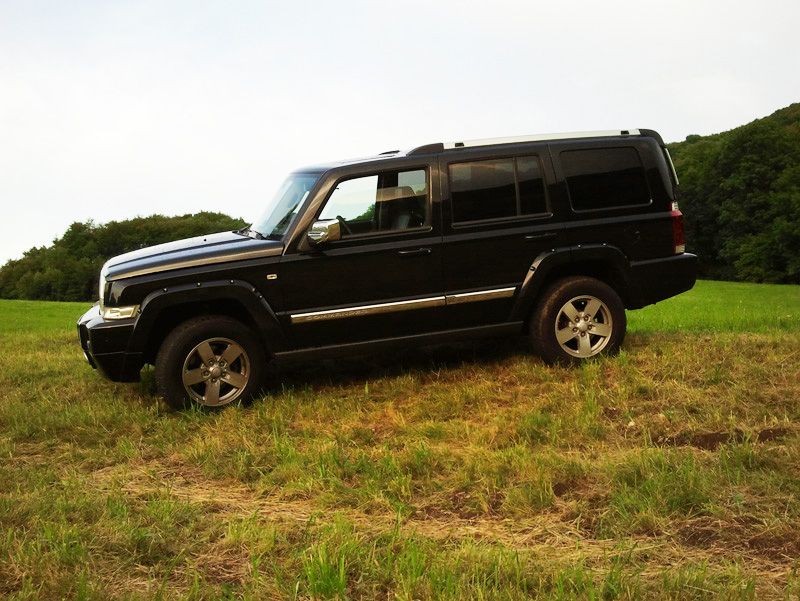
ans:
(605, 178)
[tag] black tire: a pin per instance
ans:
(599, 329)
(180, 359)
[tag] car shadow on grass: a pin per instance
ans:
(356, 369)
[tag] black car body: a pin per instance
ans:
(461, 240)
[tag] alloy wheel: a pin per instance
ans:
(583, 326)
(216, 372)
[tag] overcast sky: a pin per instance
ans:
(110, 110)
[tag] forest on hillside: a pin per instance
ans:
(740, 195)
(739, 192)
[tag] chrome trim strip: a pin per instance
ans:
(359, 311)
(671, 165)
(419, 303)
(235, 256)
(482, 295)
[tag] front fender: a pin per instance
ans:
(239, 291)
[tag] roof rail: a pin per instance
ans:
(543, 137)
(426, 149)
(606, 133)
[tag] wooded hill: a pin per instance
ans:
(740, 194)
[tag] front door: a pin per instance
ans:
(383, 279)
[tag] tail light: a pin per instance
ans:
(678, 235)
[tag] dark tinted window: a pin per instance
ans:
(531, 186)
(602, 178)
(488, 189)
(483, 190)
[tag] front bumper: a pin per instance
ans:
(105, 343)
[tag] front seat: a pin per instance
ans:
(398, 208)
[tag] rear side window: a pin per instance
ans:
(604, 178)
(497, 189)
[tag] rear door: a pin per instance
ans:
(498, 217)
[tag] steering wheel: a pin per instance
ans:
(344, 225)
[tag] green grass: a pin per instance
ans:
(38, 317)
(723, 307)
(671, 471)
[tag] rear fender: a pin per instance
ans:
(549, 264)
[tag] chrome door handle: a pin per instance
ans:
(544, 236)
(414, 253)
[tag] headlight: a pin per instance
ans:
(119, 312)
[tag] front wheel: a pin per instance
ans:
(578, 318)
(209, 361)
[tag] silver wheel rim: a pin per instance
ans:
(583, 326)
(216, 372)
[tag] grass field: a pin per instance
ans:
(671, 471)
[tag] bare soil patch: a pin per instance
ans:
(710, 441)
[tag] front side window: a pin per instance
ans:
(497, 189)
(605, 178)
(383, 202)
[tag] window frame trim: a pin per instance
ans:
(510, 218)
(615, 207)
(376, 234)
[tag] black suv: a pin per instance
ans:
(554, 236)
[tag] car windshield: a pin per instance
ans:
(284, 206)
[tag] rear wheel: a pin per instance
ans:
(210, 361)
(578, 318)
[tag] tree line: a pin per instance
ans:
(68, 270)
(739, 192)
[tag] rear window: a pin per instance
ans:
(604, 178)
(497, 189)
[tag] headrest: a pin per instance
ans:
(394, 193)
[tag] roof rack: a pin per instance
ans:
(518, 139)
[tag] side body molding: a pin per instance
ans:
(245, 294)
(549, 261)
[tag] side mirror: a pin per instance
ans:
(325, 230)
